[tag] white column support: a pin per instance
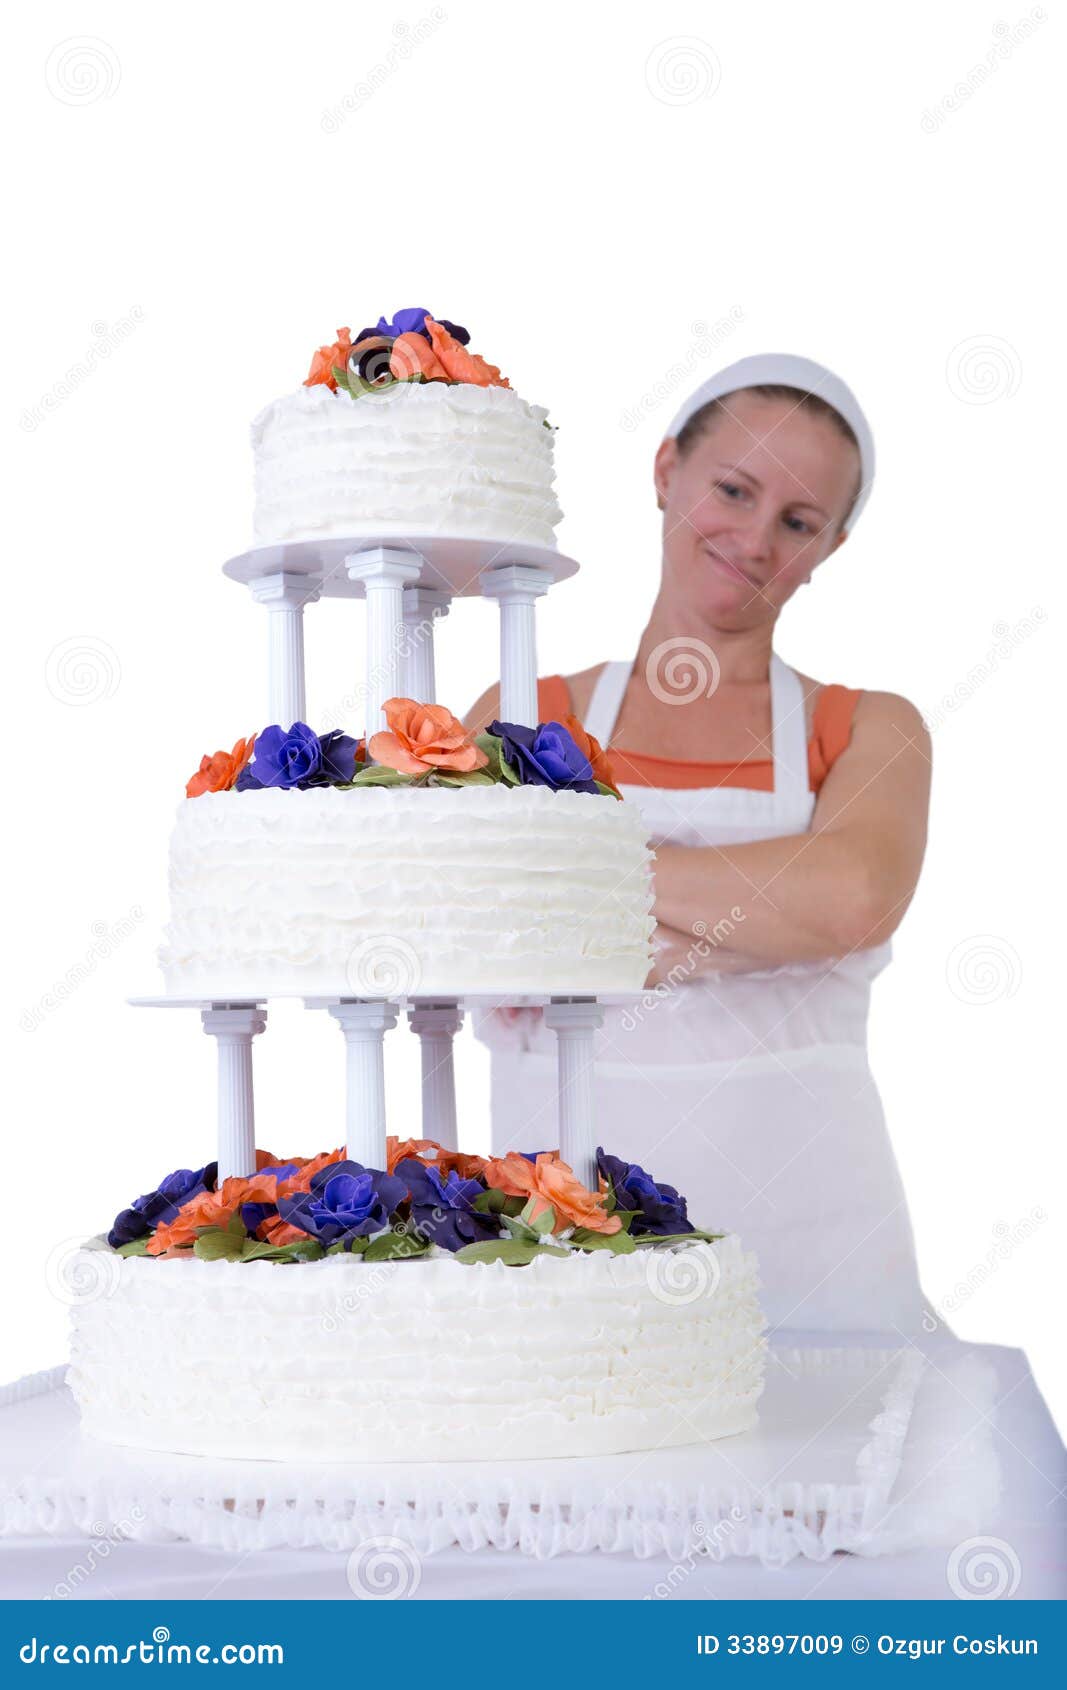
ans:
(364, 1025)
(233, 1028)
(437, 1024)
(423, 606)
(575, 1022)
(517, 587)
(285, 597)
(384, 571)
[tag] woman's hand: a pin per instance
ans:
(679, 958)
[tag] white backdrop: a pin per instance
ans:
(613, 200)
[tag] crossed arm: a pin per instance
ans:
(843, 886)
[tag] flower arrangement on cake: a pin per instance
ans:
(508, 1209)
(410, 346)
(423, 745)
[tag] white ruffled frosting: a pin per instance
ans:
(388, 892)
(417, 458)
(433, 1360)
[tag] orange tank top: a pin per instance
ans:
(831, 730)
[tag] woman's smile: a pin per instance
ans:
(728, 567)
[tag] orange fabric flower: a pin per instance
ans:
(326, 359)
(412, 355)
(458, 363)
(552, 1184)
(427, 1150)
(599, 761)
(422, 737)
(301, 1180)
(218, 773)
(211, 1208)
(275, 1231)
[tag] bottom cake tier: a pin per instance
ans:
(429, 1360)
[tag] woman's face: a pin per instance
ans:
(753, 507)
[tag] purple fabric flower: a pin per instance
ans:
(545, 756)
(147, 1212)
(346, 1201)
(412, 321)
(252, 1214)
(659, 1209)
(298, 757)
(443, 1209)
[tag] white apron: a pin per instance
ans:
(750, 1093)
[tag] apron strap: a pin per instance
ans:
(789, 733)
(606, 702)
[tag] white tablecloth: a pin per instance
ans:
(1028, 1533)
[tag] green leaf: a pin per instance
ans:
(301, 1250)
(375, 775)
(619, 1243)
(216, 1244)
(498, 767)
(694, 1237)
(626, 1216)
(544, 1222)
(452, 777)
(519, 1229)
(236, 1226)
(340, 377)
(391, 1246)
(512, 1251)
(135, 1247)
(608, 791)
(348, 1247)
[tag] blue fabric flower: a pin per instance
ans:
(346, 1201)
(659, 1208)
(412, 321)
(147, 1212)
(298, 757)
(443, 1209)
(545, 756)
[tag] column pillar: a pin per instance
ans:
(517, 587)
(285, 596)
(364, 1025)
(575, 1022)
(233, 1027)
(437, 1024)
(384, 571)
(422, 608)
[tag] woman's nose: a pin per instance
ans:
(754, 534)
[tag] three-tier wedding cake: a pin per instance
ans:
(398, 1299)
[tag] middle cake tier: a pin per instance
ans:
(380, 892)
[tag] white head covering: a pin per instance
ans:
(782, 369)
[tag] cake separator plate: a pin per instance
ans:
(454, 565)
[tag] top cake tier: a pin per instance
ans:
(413, 458)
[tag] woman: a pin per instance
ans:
(789, 823)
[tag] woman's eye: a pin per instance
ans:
(731, 489)
(797, 525)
